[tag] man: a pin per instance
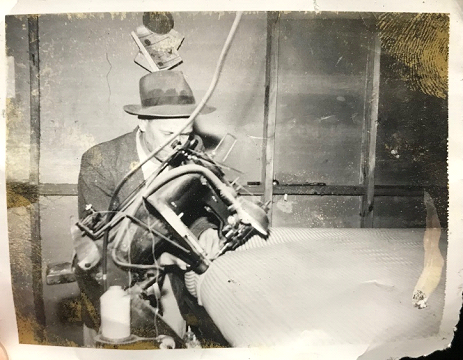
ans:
(166, 103)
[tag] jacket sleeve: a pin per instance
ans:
(96, 182)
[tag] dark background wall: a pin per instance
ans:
(411, 147)
(87, 74)
(322, 84)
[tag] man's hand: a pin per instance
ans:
(88, 254)
(168, 259)
(209, 241)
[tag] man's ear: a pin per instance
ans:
(142, 124)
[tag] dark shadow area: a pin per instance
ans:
(454, 352)
(68, 310)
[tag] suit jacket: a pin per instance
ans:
(102, 168)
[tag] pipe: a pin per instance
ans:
(190, 121)
(163, 179)
(195, 113)
(223, 191)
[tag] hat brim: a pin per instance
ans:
(166, 111)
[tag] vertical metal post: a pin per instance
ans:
(270, 106)
(371, 129)
(36, 244)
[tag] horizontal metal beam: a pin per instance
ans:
(344, 190)
(32, 191)
(58, 189)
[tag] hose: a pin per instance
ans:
(163, 179)
(190, 121)
(193, 115)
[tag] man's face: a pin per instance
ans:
(157, 131)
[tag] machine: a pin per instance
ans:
(185, 196)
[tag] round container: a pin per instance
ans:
(115, 314)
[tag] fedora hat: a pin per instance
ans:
(165, 94)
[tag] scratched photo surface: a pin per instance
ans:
(341, 127)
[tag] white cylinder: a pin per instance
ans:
(115, 314)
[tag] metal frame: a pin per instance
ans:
(366, 189)
(270, 107)
(369, 133)
(34, 175)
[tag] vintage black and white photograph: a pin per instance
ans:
(193, 180)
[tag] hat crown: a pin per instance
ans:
(165, 88)
(165, 94)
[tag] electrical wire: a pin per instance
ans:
(129, 255)
(190, 121)
(197, 110)
(153, 251)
